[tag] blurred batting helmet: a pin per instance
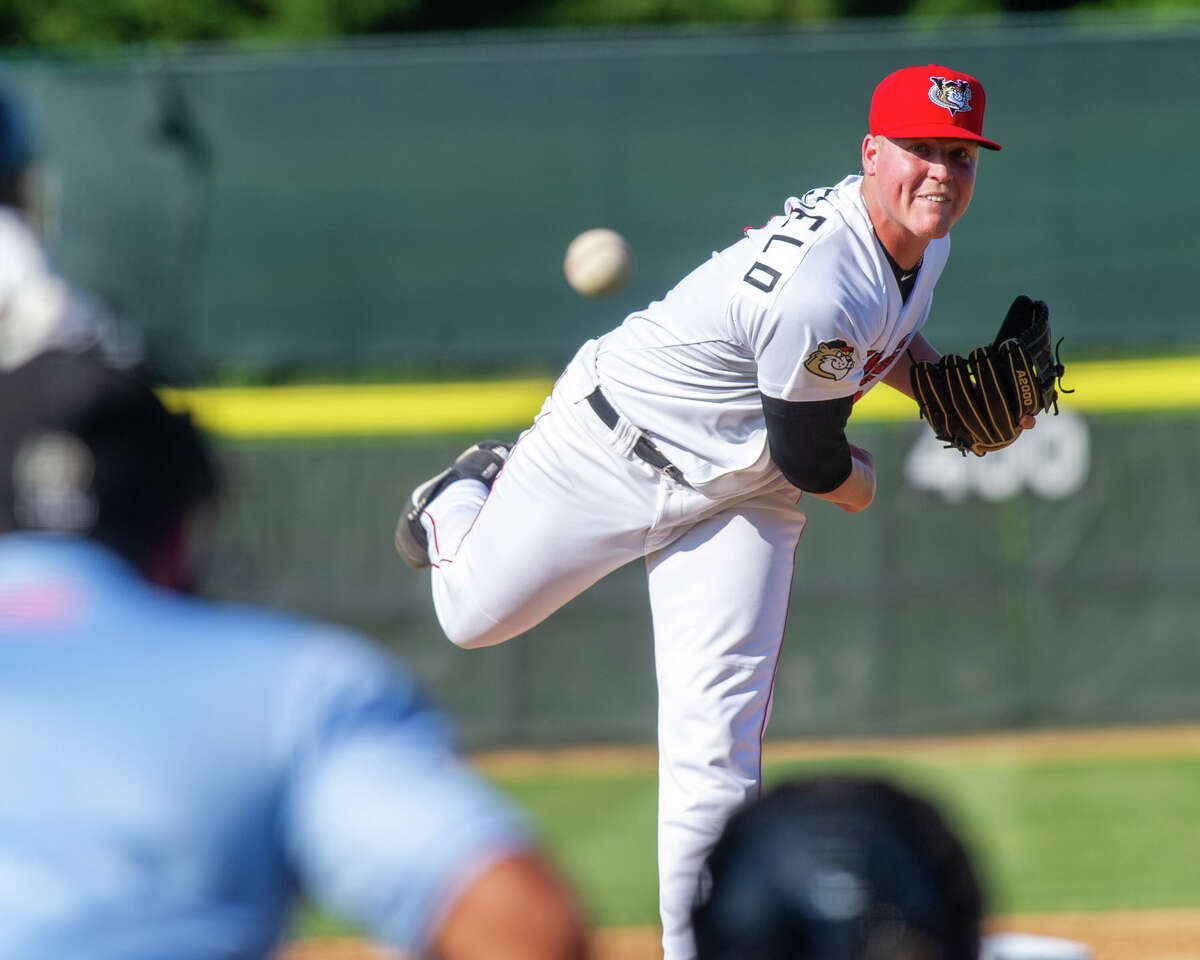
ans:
(89, 450)
(839, 868)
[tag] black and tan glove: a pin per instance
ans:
(976, 402)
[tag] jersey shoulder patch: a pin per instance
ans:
(832, 360)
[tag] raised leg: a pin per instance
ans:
(564, 512)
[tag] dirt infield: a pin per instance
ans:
(1113, 935)
(1118, 935)
(1125, 935)
(1110, 742)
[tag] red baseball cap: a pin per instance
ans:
(929, 101)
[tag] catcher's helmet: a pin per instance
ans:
(839, 868)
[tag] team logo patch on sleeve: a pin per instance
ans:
(832, 360)
(953, 95)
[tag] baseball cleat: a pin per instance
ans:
(481, 461)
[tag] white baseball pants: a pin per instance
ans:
(569, 508)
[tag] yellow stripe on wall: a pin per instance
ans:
(1108, 386)
(1111, 386)
(338, 410)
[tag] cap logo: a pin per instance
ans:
(953, 95)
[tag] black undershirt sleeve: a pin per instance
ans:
(808, 441)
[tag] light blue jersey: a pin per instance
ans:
(173, 770)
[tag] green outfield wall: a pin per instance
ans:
(1053, 583)
(402, 207)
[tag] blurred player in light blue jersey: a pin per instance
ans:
(174, 771)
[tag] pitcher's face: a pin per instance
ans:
(921, 186)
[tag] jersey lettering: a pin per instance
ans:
(818, 220)
(754, 277)
(815, 196)
(783, 237)
(763, 275)
(876, 364)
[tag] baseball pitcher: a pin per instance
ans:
(689, 434)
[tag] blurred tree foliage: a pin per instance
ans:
(56, 24)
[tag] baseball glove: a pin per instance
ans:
(976, 403)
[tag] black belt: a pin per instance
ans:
(643, 449)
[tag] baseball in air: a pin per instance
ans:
(598, 262)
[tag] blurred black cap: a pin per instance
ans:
(839, 868)
(88, 449)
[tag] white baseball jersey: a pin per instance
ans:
(805, 307)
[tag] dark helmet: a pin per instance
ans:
(839, 868)
(90, 450)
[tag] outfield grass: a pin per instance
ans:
(1088, 834)
(1049, 835)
